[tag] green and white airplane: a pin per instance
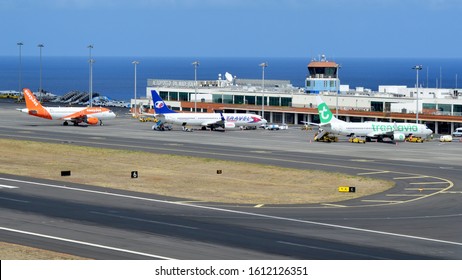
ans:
(371, 130)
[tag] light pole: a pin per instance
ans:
(91, 61)
(20, 44)
(40, 83)
(338, 92)
(135, 63)
(90, 83)
(196, 64)
(417, 68)
(263, 65)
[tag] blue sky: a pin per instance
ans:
(233, 28)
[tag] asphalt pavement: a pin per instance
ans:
(420, 218)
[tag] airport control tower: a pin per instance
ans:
(322, 76)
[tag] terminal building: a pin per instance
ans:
(280, 102)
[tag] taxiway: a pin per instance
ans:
(421, 218)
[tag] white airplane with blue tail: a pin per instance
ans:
(203, 120)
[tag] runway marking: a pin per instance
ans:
(411, 177)
(423, 189)
(259, 205)
(190, 201)
(452, 192)
(427, 183)
(363, 160)
(335, 205)
(261, 152)
(15, 200)
(397, 194)
(330, 250)
(7, 187)
(142, 220)
(381, 201)
(85, 243)
(247, 213)
(375, 172)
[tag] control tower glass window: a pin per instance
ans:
(323, 72)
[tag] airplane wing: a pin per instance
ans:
(83, 116)
(80, 115)
(311, 123)
(217, 123)
(380, 133)
(321, 126)
(148, 115)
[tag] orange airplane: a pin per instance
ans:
(76, 115)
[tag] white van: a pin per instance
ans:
(457, 132)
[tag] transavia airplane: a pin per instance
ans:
(370, 130)
(204, 120)
(76, 115)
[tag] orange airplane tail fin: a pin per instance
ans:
(34, 106)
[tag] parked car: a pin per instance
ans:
(445, 138)
(283, 126)
(272, 126)
(457, 132)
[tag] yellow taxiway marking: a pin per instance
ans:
(370, 173)
(411, 177)
(427, 183)
(259, 205)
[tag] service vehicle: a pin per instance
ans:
(283, 126)
(272, 126)
(357, 140)
(457, 132)
(414, 139)
(326, 137)
(445, 138)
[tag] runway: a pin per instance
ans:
(418, 219)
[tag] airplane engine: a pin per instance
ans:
(230, 125)
(400, 137)
(91, 120)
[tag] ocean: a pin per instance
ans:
(114, 76)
